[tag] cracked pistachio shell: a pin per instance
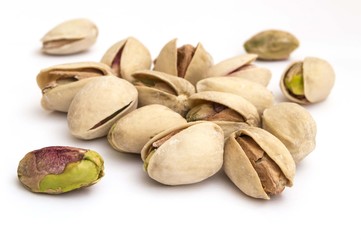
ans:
(161, 88)
(70, 37)
(242, 107)
(229, 127)
(60, 169)
(316, 78)
(60, 83)
(255, 93)
(188, 62)
(241, 66)
(294, 126)
(126, 57)
(98, 105)
(193, 153)
(243, 174)
(132, 131)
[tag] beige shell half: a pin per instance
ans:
(230, 127)
(131, 55)
(177, 100)
(294, 126)
(191, 155)
(98, 105)
(131, 132)
(239, 169)
(318, 81)
(242, 106)
(254, 92)
(70, 37)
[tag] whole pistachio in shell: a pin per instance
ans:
(99, 104)
(187, 62)
(69, 37)
(258, 163)
(60, 169)
(294, 126)
(272, 45)
(221, 106)
(161, 88)
(241, 66)
(126, 57)
(185, 154)
(60, 83)
(255, 93)
(308, 81)
(132, 131)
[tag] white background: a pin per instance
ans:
(324, 201)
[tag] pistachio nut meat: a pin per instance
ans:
(185, 154)
(60, 169)
(308, 81)
(99, 104)
(294, 126)
(258, 163)
(187, 61)
(241, 66)
(161, 88)
(60, 83)
(69, 37)
(126, 57)
(132, 131)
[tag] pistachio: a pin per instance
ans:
(132, 131)
(308, 81)
(272, 44)
(70, 37)
(60, 83)
(258, 163)
(184, 154)
(188, 62)
(294, 126)
(60, 169)
(126, 57)
(98, 105)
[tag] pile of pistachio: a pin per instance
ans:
(186, 116)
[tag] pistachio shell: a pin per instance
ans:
(131, 132)
(99, 104)
(126, 57)
(192, 154)
(229, 127)
(70, 37)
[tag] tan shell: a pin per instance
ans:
(294, 126)
(126, 57)
(318, 81)
(241, 66)
(167, 62)
(246, 109)
(191, 155)
(99, 104)
(60, 83)
(131, 132)
(177, 99)
(241, 172)
(254, 92)
(230, 127)
(70, 37)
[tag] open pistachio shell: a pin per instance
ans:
(161, 88)
(229, 127)
(312, 82)
(185, 154)
(187, 62)
(241, 66)
(254, 92)
(70, 37)
(126, 57)
(60, 83)
(277, 166)
(99, 104)
(131, 132)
